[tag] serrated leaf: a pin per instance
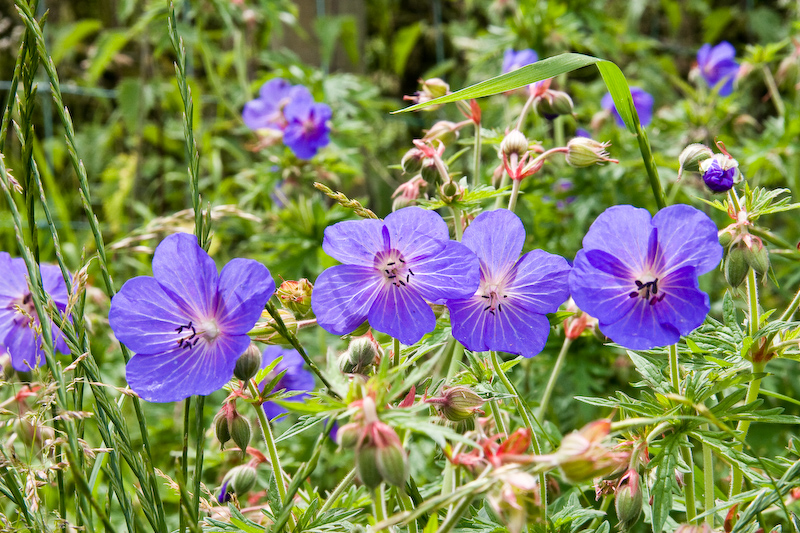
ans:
(729, 312)
(665, 476)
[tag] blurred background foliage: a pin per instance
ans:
(360, 57)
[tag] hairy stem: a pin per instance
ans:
(551, 383)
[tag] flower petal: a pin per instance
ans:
(245, 286)
(343, 295)
(402, 313)
(53, 282)
(144, 317)
(602, 295)
(640, 329)
(180, 373)
(497, 238)
(13, 282)
(513, 329)
(258, 115)
(539, 282)
(687, 237)
(187, 273)
(453, 272)
(623, 231)
(354, 242)
(468, 322)
(274, 90)
(417, 232)
(25, 348)
(685, 306)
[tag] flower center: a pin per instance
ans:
(648, 290)
(25, 310)
(495, 297)
(191, 334)
(394, 268)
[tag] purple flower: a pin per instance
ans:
(642, 101)
(187, 324)
(224, 494)
(718, 65)
(719, 172)
(512, 60)
(17, 337)
(307, 128)
(507, 311)
(639, 276)
(296, 378)
(266, 111)
(390, 269)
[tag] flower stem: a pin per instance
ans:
(524, 112)
(396, 359)
(752, 303)
(792, 307)
(498, 203)
(269, 440)
(187, 404)
(408, 505)
(379, 500)
(512, 201)
(650, 167)
(340, 488)
(551, 383)
(455, 515)
(708, 482)
(774, 93)
(457, 224)
(674, 369)
(476, 159)
(744, 425)
(686, 452)
(498, 417)
(200, 443)
(599, 518)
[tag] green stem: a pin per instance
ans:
(708, 482)
(378, 500)
(688, 487)
(396, 359)
(200, 444)
(457, 224)
(498, 203)
(752, 303)
(187, 404)
(558, 131)
(744, 425)
(650, 167)
(408, 505)
(340, 488)
(551, 383)
(476, 159)
(524, 112)
(787, 315)
(512, 201)
(455, 360)
(269, 440)
(498, 417)
(455, 515)
(774, 93)
(674, 369)
(599, 518)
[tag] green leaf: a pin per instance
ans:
(729, 312)
(665, 477)
(403, 44)
(548, 68)
(71, 35)
(109, 44)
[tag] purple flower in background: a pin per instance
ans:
(580, 132)
(638, 275)
(17, 334)
(642, 101)
(266, 111)
(391, 267)
(512, 60)
(307, 128)
(296, 378)
(187, 324)
(507, 313)
(718, 65)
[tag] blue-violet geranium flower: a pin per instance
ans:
(187, 324)
(21, 339)
(306, 127)
(638, 276)
(718, 65)
(512, 59)
(391, 267)
(642, 101)
(296, 378)
(266, 111)
(507, 313)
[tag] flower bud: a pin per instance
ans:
(757, 257)
(265, 329)
(248, 363)
(240, 431)
(444, 130)
(458, 403)
(719, 172)
(692, 156)
(391, 459)
(430, 172)
(242, 478)
(514, 143)
(585, 152)
(435, 87)
(450, 192)
(725, 238)
(359, 357)
(628, 500)
(296, 296)
(221, 428)
(412, 161)
(553, 103)
(735, 266)
(348, 435)
(366, 465)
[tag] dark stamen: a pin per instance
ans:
(401, 259)
(639, 284)
(499, 307)
(408, 278)
(410, 271)
(390, 264)
(655, 286)
(484, 296)
(401, 283)
(634, 294)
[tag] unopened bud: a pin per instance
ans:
(514, 143)
(459, 403)
(390, 459)
(412, 161)
(757, 257)
(248, 363)
(435, 87)
(450, 192)
(359, 357)
(628, 500)
(553, 103)
(240, 431)
(366, 465)
(296, 296)
(348, 435)
(444, 130)
(430, 172)
(735, 266)
(719, 172)
(585, 152)
(725, 238)
(692, 156)
(221, 428)
(242, 478)
(266, 330)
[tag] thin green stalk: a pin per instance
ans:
(688, 487)
(512, 201)
(787, 315)
(455, 515)
(269, 440)
(558, 131)
(674, 369)
(340, 488)
(457, 224)
(408, 505)
(524, 112)
(396, 358)
(774, 93)
(754, 316)
(476, 158)
(744, 426)
(708, 482)
(455, 351)
(494, 405)
(551, 383)
(200, 444)
(378, 501)
(599, 518)
(650, 167)
(498, 203)
(187, 409)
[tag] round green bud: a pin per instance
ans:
(248, 363)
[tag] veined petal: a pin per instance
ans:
(53, 282)
(245, 286)
(623, 231)
(259, 114)
(468, 322)
(402, 313)
(417, 232)
(354, 242)
(685, 306)
(343, 295)
(539, 282)
(600, 294)
(187, 273)
(25, 348)
(13, 282)
(453, 272)
(513, 329)
(180, 372)
(687, 237)
(144, 317)
(640, 328)
(497, 238)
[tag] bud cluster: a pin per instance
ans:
(230, 425)
(296, 297)
(720, 171)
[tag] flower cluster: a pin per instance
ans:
(292, 111)
(20, 326)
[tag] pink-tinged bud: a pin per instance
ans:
(296, 296)
(444, 131)
(553, 103)
(410, 398)
(221, 428)
(457, 403)
(407, 193)
(412, 161)
(430, 171)
(514, 143)
(248, 363)
(349, 435)
(517, 443)
(628, 500)
(515, 501)
(584, 152)
(367, 465)
(575, 325)
(266, 331)
(429, 90)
